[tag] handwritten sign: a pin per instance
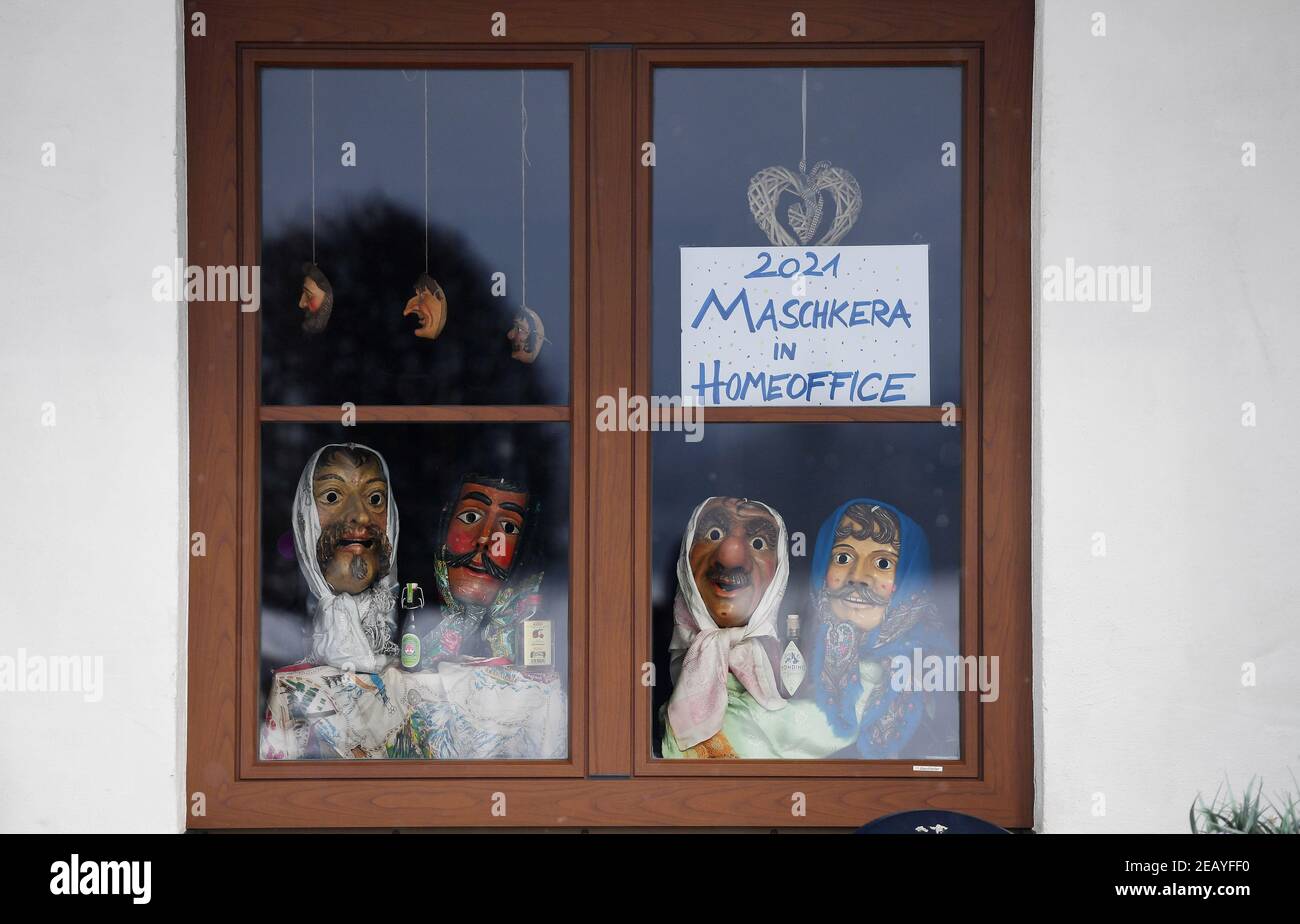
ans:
(806, 326)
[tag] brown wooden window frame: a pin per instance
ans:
(610, 51)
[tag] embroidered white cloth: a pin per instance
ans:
(457, 712)
(465, 711)
(326, 712)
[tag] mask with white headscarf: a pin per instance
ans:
(353, 631)
(703, 653)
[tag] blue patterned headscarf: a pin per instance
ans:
(891, 717)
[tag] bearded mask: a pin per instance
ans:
(345, 532)
(484, 530)
(316, 301)
(350, 489)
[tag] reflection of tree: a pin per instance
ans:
(372, 253)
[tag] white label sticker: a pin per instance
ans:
(537, 643)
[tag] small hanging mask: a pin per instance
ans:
(526, 336)
(316, 301)
(428, 306)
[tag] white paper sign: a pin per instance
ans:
(806, 325)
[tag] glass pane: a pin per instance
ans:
(834, 282)
(352, 665)
(386, 334)
(826, 551)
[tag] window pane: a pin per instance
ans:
(868, 561)
(872, 221)
(370, 245)
(350, 666)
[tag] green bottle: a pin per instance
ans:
(412, 600)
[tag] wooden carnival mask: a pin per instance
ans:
(351, 496)
(316, 300)
(861, 573)
(488, 520)
(733, 558)
(526, 336)
(429, 307)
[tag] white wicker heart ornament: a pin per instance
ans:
(808, 213)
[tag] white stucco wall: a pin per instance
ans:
(91, 543)
(1139, 653)
(1140, 433)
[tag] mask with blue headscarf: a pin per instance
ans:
(890, 718)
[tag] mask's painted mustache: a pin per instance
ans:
(467, 560)
(854, 592)
(730, 578)
(331, 537)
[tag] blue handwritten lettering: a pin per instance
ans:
(885, 396)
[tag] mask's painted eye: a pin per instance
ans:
(842, 558)
(376, 498)
(884, 564)
(509, 528)
(330, 497)
(470, 517)
(715, 534)
(758, 543)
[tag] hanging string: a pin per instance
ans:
(313, 167)
(523, 194)
(803, 160)
(426, 173)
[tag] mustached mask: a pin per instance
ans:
(713, 583)
(485, 529)
(486, 537)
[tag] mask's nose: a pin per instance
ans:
(733, 552)
(357, 513)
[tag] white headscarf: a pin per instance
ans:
(699, 701)
(353, 631)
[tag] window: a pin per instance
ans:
(865, 303)
(394, 220)
(397, 176)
